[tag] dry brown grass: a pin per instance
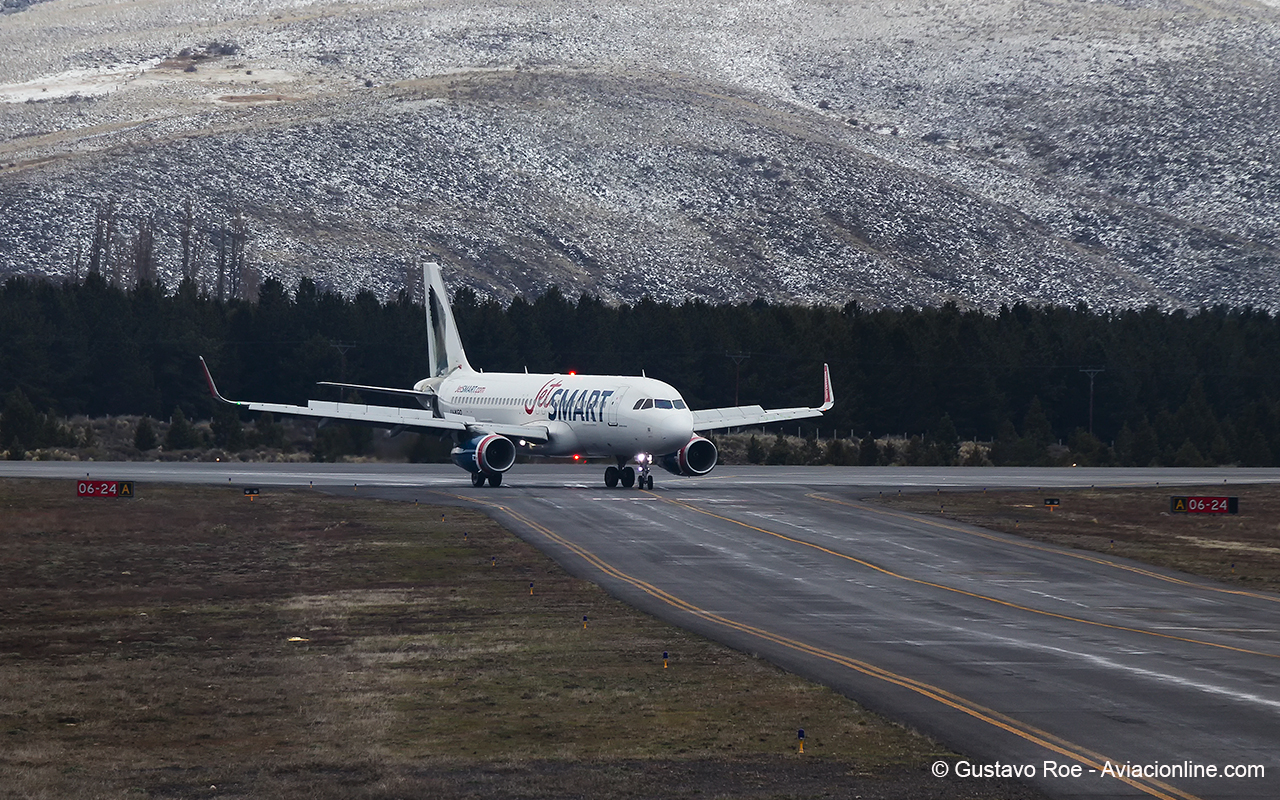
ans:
(309, 646)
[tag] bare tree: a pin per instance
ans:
(103, 229)
(144, 266)
(79, 259)
(230, 240)
(413, 283)
(236, 259)
(188, 226)
(220, 241)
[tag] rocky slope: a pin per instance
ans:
(1119, 153)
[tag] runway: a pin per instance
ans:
(1012, 652)
(552, 476)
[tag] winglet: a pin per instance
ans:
(213, 388)
(828, 397)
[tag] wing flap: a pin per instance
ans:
(378, 389)
(537, 434)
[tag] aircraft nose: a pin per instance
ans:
(676, 428)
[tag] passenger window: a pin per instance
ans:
(662, 403)
(680, 404)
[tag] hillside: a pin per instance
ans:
(1119, 153)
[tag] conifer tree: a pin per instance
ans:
(144, 437)
(868, 451)
(181, 434)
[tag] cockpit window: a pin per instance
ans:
(639, 405)
(679, 404)
(662, 403)
(647, 403)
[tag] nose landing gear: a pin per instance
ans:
(628, 476)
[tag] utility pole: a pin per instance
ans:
(737, 358)
(1092, 372)
(342, 348)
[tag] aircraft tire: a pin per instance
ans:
(611, 477)
(477, 479)
(628, 477)
(495, 480)
(648, 483)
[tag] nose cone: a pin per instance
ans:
(675, 429)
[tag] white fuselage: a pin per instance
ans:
(588, 415)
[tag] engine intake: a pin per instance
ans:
(697, 457)
(490, 454)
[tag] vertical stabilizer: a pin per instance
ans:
(444, 345)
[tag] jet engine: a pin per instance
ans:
(490, 454)
(697, 457)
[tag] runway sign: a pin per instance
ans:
(1204, 505)
(104, 488)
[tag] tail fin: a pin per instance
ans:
(444, 345)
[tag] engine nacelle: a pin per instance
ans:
(490, 454)
(697, 457)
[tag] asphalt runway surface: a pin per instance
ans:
(1015, 653)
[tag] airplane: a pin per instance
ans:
(492, 415)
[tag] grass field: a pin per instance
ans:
(1242, 549)
(191, 643)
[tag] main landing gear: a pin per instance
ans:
(628, 476)
(478, 479)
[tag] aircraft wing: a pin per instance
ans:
(535, 434)
(710, 419)
(360, 387)
(388, 416)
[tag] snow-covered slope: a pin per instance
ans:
(1119, 153)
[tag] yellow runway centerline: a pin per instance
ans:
(1030, 733)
